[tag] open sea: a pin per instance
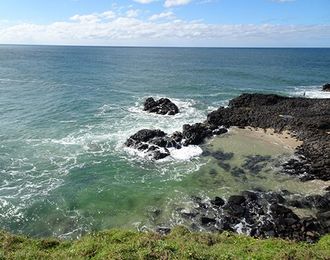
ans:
(65, 113)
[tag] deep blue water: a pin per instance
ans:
(65, 113)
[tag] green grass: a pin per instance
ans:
(179, 244)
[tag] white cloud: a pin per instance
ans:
(90, 18)
(132, 13)
(144, 1)
(109, 14)
(163, 15)
(126, 29)
(171, 3)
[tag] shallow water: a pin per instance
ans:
(65, 113)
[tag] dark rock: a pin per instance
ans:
(236, 199)
(258, 214)
(163, 106)
(163, 230)
(218, 202)
(274, 197)
(322, 203)
(144, 135)
(207, 221)
(195, 134)
(153, 142)
(326, 87)
(220, 131)
(177, 136)
(158, 155)
(250, 195)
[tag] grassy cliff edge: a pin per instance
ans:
(179, 244)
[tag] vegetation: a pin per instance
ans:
(179, 244)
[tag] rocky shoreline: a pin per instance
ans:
(308, 120)
(259, 213)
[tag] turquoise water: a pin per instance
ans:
(65, 113)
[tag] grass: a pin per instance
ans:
(179, 244)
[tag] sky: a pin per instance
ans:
(193, 23)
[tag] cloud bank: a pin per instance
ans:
(162, 29)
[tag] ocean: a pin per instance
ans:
(65, 113)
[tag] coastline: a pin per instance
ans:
(261, 213)
(298, 124)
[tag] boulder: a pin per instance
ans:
(163, 106)
(144, 135)
(153, 142)
(326, 87)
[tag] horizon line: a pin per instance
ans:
(160, 46)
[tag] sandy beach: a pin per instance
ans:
(284, 139)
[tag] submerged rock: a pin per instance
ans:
(255, 163)
(163, 106)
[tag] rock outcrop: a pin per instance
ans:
(155, 143)
(257, 213)
(163, 106)
(326, 87)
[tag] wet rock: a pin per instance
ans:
(153, 142)
(177, 136)
(236, 199)
(158, 155)
(220, 131)
(207, 221)
(258, 214)
(274, 197)
(195, 134)
(326, 87)
(322, 203)
(163, 230)
(163, 106)
(144, 135)
(218, 202)
(186, 213)
(250, 195)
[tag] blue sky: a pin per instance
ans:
(260, 23)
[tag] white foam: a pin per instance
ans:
(310, 92)
(186, 152)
